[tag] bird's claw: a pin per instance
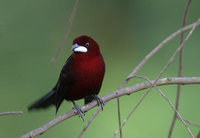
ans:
(99, 101)
(79, 111)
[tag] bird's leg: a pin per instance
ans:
(78, 110)
(99, 101)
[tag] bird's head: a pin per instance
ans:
(85, 45)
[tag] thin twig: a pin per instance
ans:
(192, 123)
(129, 115)
(172, 58)
(157, 48)
(66, 32)
(170, 103)
(113, 95)
(11, 113)
(180, 69)
(145, 59)
(90, 121)
(167, 65)
(119, 117)
(135, 107)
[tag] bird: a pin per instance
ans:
(80, 78)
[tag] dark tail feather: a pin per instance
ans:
(44, 102)
(58, 105)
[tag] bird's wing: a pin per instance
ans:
(64, 83)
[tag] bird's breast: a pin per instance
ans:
(88, 77)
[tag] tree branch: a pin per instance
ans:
(119, 116)
(170, 103)
(162, 44)
(90, 121)
(108, 97)
(192, 123)
(180, 69)
(11, 113)
(163, 70)
(147, 57)
(66, 32)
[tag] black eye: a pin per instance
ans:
(87, 44)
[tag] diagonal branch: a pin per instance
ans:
(146, 58)
(180, 69)
(90, 121)
(113, 95)
(170, 103)
(163, 70)
(192, 123)
(66, 32)
(11, 113)
(162, 44)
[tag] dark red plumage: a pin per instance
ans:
(81, 76)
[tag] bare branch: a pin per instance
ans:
(170, 103)
(180, 69)
(162, 44)
(115, 94)
(119, 116)
(192, 123)
(11, 113)
(129, 115)
(164, 69)
(66, 32)
(90, 121)
(146, 58)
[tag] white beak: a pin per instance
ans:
(78, 48)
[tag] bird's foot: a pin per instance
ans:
(99, 101)
(78, 110)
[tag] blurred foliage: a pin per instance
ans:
(126, 31)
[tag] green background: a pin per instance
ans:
(126, 31)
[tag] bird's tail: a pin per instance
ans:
(45, 101)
